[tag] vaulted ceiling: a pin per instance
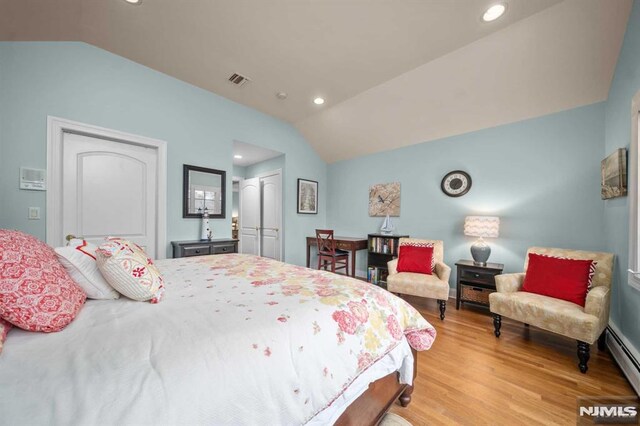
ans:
(393, 73)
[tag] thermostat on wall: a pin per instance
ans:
(33, 179)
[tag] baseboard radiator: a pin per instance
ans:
(625, 355)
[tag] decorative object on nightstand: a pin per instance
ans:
(204, 248)
(476, 282)
(206, 234)
(379, 256)
(387, 227)
(482, 227)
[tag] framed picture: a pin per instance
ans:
(614, 175)
(384, 199)
(307, 196)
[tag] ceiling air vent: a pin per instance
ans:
(239, 80)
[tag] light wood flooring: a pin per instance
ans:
(527, 376)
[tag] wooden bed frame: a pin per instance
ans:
(371, 406)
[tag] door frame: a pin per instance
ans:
(282, 225)
(56, 128)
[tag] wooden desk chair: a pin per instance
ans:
(328, 254)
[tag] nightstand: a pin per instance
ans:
(475, 283)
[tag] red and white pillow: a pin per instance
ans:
(4, 329)
(559, 277)
(129, 270)
(416, 257)
(36, 292)
(79, 259)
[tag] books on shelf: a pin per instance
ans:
(376, 275)
(373, 275)
(383, 245)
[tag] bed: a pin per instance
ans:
(237, 340)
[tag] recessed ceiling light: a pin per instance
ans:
(494, 12)
(238, 156)
(281, 95)
(318, 101)
(136, 2)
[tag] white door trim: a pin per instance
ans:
(56, 128)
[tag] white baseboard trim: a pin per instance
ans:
(625, 354)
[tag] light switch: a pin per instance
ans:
(34, 213)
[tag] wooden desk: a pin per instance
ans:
(352, 244)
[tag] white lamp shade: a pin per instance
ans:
(482, 226)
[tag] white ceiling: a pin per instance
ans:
(251, 154)
(560, 58)
(393, 73)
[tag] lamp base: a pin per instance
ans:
(480, 253)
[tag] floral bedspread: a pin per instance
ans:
(236, 340)
(315, 330)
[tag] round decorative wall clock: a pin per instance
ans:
(456, 183)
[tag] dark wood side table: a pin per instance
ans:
(475, 282)
(204, 248)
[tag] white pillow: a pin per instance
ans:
(79, 259)
(129, 270)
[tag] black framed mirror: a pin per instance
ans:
(203, 189)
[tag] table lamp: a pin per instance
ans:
(482, 227)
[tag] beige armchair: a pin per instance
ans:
(434, 286)
(586, 325)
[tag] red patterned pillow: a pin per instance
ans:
(560, 278)
(4, 329)
(36, 292)
(418, 259)
(418, 243)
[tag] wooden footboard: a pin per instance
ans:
(372, 405)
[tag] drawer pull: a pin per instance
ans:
(198, 251)
(476, 275)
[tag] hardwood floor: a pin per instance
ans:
(527, 376)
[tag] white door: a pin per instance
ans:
(249, 234)
(271, 216)
(109, 189)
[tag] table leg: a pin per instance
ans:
(353, 263)
(308, 255)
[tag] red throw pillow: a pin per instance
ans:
(416, 259)
(566, 279)
(36, 292)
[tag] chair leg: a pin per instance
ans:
(583, 356)
(602, 341)
(497, 323)
(443, 307)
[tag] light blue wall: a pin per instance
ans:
(266, 166)
(541, 176)
(626, 83)
(238, 171)
(86, 84)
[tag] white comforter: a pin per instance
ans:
(237, 340)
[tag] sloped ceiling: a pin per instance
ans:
(394, 73)
(560, 58)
